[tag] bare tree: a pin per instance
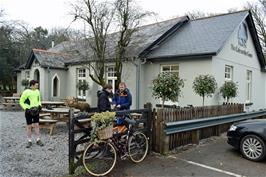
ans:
(123, 16)
(258, 11)
(98, 16)
(129, 16)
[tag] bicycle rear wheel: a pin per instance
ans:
(138, 147)
(99, 158)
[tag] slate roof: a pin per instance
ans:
(143, 38)
(200, 36)
(47, 59)
(179, 37)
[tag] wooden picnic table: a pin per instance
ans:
(11, 99)
(60, 113)
(52, 103)
(11, 103)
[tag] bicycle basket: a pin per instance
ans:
(105, 133)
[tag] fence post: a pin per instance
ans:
(71, 136)
(149, 123)
(195, 136)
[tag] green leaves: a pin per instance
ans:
(167, 86)
(99, 122)
(204, 85)
(229, 90)
(25, 82)
(83, 85)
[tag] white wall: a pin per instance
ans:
(241, 63)
(19, 79)
(188, 70)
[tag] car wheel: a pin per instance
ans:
(253, 148)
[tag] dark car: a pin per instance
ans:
(250, 138)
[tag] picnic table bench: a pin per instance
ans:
(46, 122)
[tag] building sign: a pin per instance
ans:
(242, 37)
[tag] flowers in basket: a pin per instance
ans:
(102, 124)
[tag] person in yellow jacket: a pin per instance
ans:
(30, 101)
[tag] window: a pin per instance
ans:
(111, 76)
(249, 86)
(81, 77)
(228, 74)
(170, 68)
(55, 86)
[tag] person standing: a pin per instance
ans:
(30, 101)
(122, 99)
(103, 98)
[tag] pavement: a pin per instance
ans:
(213, 158)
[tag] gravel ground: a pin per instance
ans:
(18, 161)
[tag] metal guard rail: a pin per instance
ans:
(188, 125)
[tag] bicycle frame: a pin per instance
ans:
(121, 148)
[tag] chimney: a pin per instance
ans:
(52, 44)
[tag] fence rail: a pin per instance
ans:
(189, 125)
(162, 142)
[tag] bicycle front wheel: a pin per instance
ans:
(138, 147)
(99, 158)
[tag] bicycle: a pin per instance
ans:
(99, 158)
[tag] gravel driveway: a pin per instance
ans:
(18, 161)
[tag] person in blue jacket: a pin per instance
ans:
(122, 99)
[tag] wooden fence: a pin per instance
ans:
(162, 144)
(80, 129)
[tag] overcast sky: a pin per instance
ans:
(54, 13)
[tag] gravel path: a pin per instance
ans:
(18, 161)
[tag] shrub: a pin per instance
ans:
(229, 90)
(204, 85)
(167, 86)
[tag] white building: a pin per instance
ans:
(225, 46)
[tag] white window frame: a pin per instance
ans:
(228, 73)
(248, 86)
(81, 76)
(111, 76)
(171, 70)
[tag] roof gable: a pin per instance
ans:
(47, 59)
(201, 36)
(206, 36)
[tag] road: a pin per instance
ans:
(212, 159)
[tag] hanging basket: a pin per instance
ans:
(105, 133)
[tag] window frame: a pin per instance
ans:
(248, 86)
(81, 76)
(112, 77)
(230, 73)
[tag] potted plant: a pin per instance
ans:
(102, 124)
(83, 85)
(25, 82)
(228, 90)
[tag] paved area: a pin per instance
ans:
(212, 158)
